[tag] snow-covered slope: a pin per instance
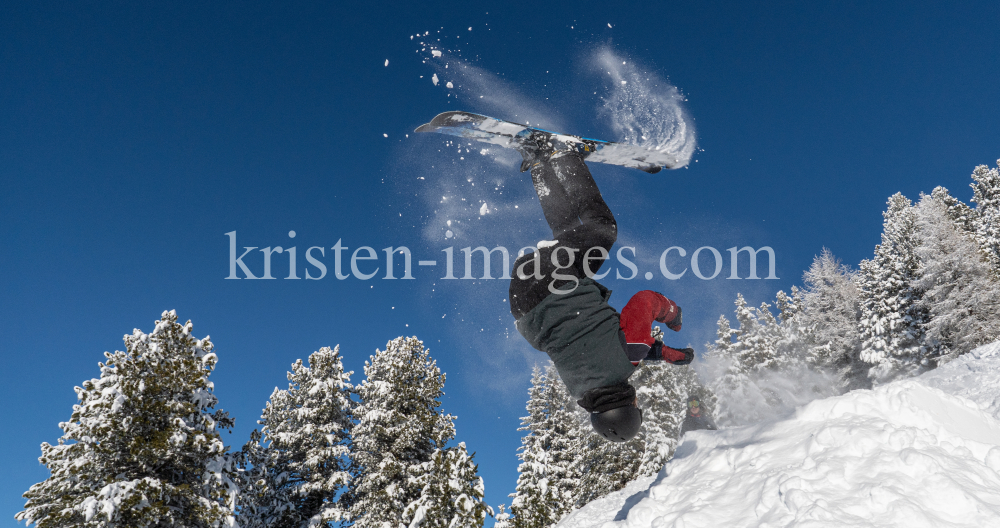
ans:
(917, 452)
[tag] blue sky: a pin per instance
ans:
(133, 136)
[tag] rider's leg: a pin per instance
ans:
(580, 220)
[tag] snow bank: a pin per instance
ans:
(918, 452)
(975, 376)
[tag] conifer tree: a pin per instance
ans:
(305, 464)
(502, 518)
(663, 392)
(960, 213)
(603, 466)
(143, 446)
(986, 195)
(746, 327)
(756, 337)
(262, 500)
(795, 338)
(788, 305)
(892, 318)
(732, 385)
(399, 427)
(547, 482)
(764, 343)
(830, 314)
(744, 389)
(961, 297)
(451, 492)
(723, 345)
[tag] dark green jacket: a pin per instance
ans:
(580, 332)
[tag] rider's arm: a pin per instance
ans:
(636, 319)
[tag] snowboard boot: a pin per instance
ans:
(534, 148)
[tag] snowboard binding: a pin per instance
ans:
(534, 148)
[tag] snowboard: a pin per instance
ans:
(525, 138)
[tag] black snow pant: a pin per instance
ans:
(581, 223)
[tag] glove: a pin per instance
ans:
(675, 323)
(681, 356)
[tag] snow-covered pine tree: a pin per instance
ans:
(731, 383)
(765, 342)
(957, 210)
(830, 313)
(756, 337)
(891, 324)
(261, 501)
(744, 385)
(143, 446)
(986, 195)
(795, 339)
(451, 493)
(961, 295)
(788, 305)
(663, 391)
(502, 518)
(547, 482)
(399, 427)
(723, 346)
(747, 327)
(534, 503)
(306, 460)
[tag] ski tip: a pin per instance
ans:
(426, 127)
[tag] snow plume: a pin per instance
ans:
(764, 395)
(644, 109)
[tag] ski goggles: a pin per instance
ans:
(693, 403)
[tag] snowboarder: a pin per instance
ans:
(561, 310)
(695, 418)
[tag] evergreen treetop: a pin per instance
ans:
(399, 427)
(143, 446)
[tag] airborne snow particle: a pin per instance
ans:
(436, 53)
(434, 79)
(449, 85)
(385, 135)
(484, 209)
(386, 62)
(609, 24)
(470, 28)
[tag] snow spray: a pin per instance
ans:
(644, 109)
(764, 395)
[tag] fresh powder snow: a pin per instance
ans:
(922, 451)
